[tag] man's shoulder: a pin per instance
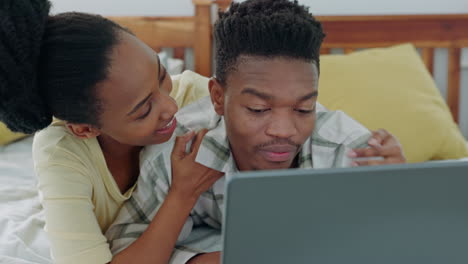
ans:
(156, 159)
(198, 115)
(337, 127)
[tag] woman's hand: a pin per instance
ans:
(189, 181)
(381, 144)
(189, 178)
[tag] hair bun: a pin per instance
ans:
(22, 26)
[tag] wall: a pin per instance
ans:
(126, 7)
(319, 7)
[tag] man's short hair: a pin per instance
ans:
(266, 28)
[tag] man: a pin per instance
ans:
(263, 115)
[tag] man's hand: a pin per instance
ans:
(208, 258)
(381, 144)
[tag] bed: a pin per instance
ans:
(22, 238)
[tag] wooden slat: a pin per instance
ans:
(380, 31)
(161, 32)
(179, 53)
(223, 4)
(453, 87)
(428, 58)
(202, 47)
(348, 50)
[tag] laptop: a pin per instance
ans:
(405, 214)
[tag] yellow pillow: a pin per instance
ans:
(390, 88)
(6, 136)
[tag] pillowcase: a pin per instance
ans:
(173, 66)
(188, 87)
(6, 136)
(391, 88)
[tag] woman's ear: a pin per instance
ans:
(83, 130)
(217, 95)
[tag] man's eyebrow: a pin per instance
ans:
(308, 96)
(259, 94)
(140, 104)
(269, 97)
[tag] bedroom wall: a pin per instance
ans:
(321, 7)
(318, 7)
(126, 7)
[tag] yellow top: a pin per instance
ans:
(78, 193)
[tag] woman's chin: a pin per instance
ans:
(160, 139)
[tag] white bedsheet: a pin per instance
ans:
(22, 236)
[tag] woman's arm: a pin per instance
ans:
(208, 258)
(156, 244)
(189, 181)
(72, 227)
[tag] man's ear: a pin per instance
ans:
(217, 95)
(83, 130)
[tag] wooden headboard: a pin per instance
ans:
(424, 31)
(346, 32)
(180, 33)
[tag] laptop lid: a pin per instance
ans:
(412, 213)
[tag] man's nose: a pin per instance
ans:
(282, 126)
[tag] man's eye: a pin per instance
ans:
(305, 111)
(258, 110)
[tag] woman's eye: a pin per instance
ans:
(147, 112)
(163, 75)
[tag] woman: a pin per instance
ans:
(112, 96)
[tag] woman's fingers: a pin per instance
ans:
(197, 142)
(180, 146)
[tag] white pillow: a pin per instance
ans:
(172, 65)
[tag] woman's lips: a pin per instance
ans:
(169, 128)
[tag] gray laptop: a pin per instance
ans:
(404, 214)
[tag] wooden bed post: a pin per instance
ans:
(428, 58)
(223, 4)
(203, 32)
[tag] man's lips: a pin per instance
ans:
(278, 153)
